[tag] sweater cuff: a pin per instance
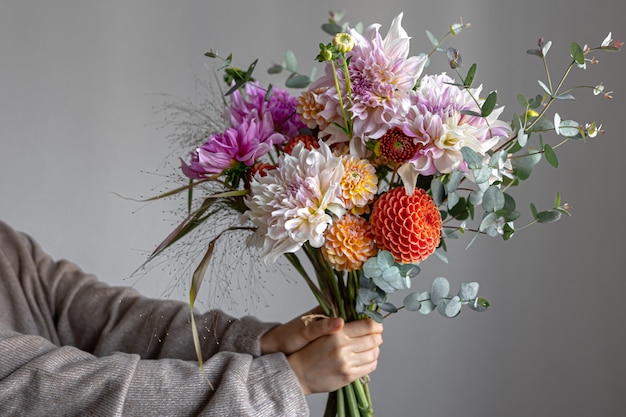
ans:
(244, 335)
(271, 368)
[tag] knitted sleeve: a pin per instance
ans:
(71, 345)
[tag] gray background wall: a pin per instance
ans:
(79, 81)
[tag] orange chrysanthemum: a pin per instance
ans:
(349, 243)
(309, 108)
(359, 183)
(310, 142)
(407, 226)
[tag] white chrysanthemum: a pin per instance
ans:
(291, 204)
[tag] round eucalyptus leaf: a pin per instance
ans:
(371, 269)
(453, 307)
(476, 197)
(493, 199)
(454, 181)
(385, 259)
(426, 307)
(489, 225)
(439, 290)
(482, 174)
(468, 291)
(375, 315)
(416, 300)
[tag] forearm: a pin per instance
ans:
(37, 377)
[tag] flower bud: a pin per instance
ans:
(343, 42)
(326, 54)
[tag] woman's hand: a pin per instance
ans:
(295, 335)
(335, 360)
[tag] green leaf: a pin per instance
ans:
(469, 78)
(438, 191)
(535, 52)
(332, 28)
(470, 156)
(476, 197)
(523, 165)
(550, 155)
(298, 81)
(565, 96)
(479, 305)
(482, 174)
(471, 113)
(268, 94)
(533, 210)
(489, 104)
(454, 181)
(545, 87)
(569, 128)
(522, 100)
(468, 291)
(439, 290)
(452, 308)
(432, 39)
(275, 69)
(374, 315)
(542, 125)
(493, 199)
(534, 103)
(489, 225)
(522, 137)
(548, 216)
(291, 63)
(507, 232)
(577, 53)
(453, 199)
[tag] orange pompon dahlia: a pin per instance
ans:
(407, 226)
(349, 243)
(359, 183)
(310, 142)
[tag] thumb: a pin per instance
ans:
(323, 327)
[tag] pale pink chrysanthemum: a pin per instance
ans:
(436, 121)
(382, 76)
(296, 202)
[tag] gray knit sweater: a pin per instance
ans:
(71, 345)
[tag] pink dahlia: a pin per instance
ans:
(251, 139)
(280, 108)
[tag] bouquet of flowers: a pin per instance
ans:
(372, 168)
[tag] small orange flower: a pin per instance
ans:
(349, 243)
(309, 108)
(407, 226)
(359, 183)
